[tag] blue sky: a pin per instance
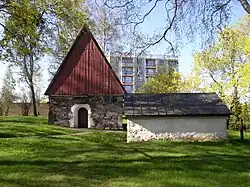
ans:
(154, 22)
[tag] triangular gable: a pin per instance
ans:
(85, 71)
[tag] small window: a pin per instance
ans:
(128, 88)
(127, 62)
(127, 79)
(150, 62)
(150, 71)
(127, 71)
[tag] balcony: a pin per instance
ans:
(127, 62)
(127, 80)
(130, 64)
(127, 71)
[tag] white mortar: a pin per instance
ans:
(74, 120)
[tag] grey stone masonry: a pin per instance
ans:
(106, 111)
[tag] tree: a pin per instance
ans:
(72, 17)
(25, 101)
(224, 67)
(245, 115)
(193, 84)
(60, 20)
(30, 28)
(25, 50)
(7, 91)
(106, 27)
(187, 19)
(165, 82)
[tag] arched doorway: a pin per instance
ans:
(82, 118)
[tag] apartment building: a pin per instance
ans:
(134, 72)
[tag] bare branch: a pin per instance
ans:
(211, 75)
(118, 6)
(220, 9)
(145, 15)
(165, 32)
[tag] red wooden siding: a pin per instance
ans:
(85, 70)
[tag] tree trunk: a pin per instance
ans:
(241, 130)
(241, 134)
(6, 112)
(1, 109)
(33, 97)
(245, 4)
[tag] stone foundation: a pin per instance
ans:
(136, 132)
(106, 111)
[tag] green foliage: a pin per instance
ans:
(245, 115)
(225, 67)
(243, 111)
(162, 83)
(40, 27)
(32, 29)
(23, 30)
(23, 41)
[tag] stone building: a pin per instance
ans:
(176, 116)
(85, 91)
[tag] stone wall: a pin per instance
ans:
(106, 111)
(140, 130)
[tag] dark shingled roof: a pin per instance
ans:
(175, 104)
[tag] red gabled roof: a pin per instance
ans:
(85, 71)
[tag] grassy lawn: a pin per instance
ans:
(104, 159)
(29, 126)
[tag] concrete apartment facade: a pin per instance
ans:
(134, 71)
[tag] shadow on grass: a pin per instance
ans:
(17, 121)
(237, 142)
(7, 135)
(99, 158)
(95, 171)
(23, 131)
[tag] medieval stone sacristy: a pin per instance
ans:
(85, 92)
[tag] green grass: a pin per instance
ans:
(29, 126)
(104, 159)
